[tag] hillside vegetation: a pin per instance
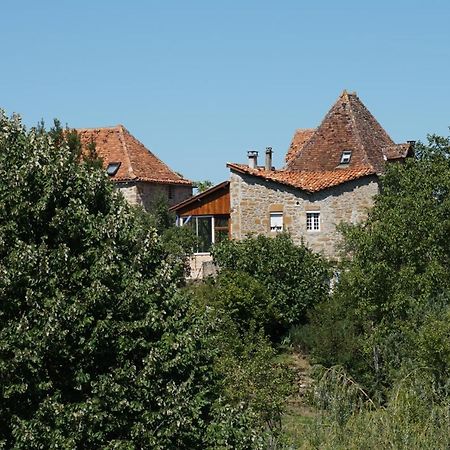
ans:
(104, 345)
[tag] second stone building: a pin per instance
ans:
(331, 176)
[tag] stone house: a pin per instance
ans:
(138, 173)
(331, 176)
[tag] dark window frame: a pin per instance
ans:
(113, 167)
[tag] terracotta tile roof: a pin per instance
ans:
(310, 181)
(116, 144)
(301, 136)
(397, 151)
(349, 125)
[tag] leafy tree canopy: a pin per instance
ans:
(97, 346)
(203, 185)
(394, 290)
(291, 279)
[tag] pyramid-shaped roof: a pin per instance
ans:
(348, 126)
(137, 163)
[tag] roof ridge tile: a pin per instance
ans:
(125, 151)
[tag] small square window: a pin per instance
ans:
(112, 168)
(346, 156)
(313, 221)
(276, 222)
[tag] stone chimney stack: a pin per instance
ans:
(268, 165)
(252, 159)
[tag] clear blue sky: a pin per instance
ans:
(202, 82)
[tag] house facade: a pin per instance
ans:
(331, 176)
(208, 215)
(138, 173)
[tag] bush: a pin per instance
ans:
(251, 381)
(98, 348)
(394, 287)
(412, 418)
(294, 277)
(250, 378)
(238, 297)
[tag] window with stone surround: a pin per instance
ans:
(313, 221)
(276, 222)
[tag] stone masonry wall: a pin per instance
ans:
(253, 199)
(145, 194)
(129, 191)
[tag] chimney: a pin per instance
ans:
(268, 165)
(411, 143)
(252, 159)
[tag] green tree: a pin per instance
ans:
(394, 289)
(98, 348)
(178, 242)
(203, 185)
(291, 278)
(253, 384)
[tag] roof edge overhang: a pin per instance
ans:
(150, 180)
(239, 169)
(200, 196)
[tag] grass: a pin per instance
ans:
(298, 413)
(410, 420)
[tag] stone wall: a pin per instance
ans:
(253, 199)
(129, 191)
(201, 266)
(145, 194)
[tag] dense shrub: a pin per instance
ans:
(238, 297)
(251, 377)
(98, 348)
(251, 380)
(293, 277)
(389, 309)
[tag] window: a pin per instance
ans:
(313, 221)
(346, 156)
(276, 222)
(220, 229)
(170, 192)
(208, 229)
(112, 168)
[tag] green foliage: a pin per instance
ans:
(239, 297)
(293, 277)
(251, 379)
(98, 348)
(160, 217)
(331, 336)
(249, 373)
(412, 418)
(178, 242)
(203, 185)
(387, 313)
